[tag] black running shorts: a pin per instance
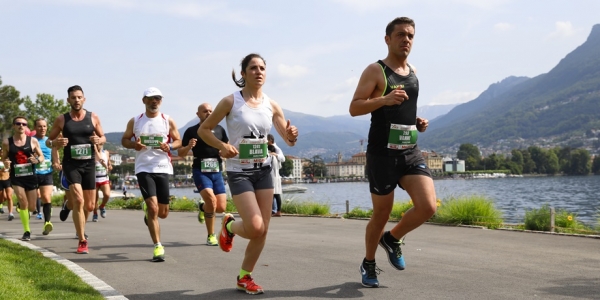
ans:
(384, 172)
(81, 172)
(241, 182)
(154, 185)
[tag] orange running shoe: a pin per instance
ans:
(248, 285)
(83, 247)
(226, 238)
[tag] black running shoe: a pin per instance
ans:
(369, 272)
(64, 212)
(26, 236)
(393, 251)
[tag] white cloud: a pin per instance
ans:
(452, 97)
(502, 27)
(563, 29)
(362, 5)
(291, 71)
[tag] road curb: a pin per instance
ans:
(106, 290)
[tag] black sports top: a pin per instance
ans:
(383, 117)
(203, 150)
(78, 133)
(19, 155)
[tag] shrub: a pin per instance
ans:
(564, 221)
(472, 210)
(359, 213)
(304, 208)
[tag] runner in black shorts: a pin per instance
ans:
(155, 136)
(388, 90)
(43, 173)
(206, 170)
(81, 130)
(21, 154)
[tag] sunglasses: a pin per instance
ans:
(155, 97)
(21, 124)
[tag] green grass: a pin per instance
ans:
(27, 274)
(309, 208)
(564, 221)
(470, 210)
(359, 213)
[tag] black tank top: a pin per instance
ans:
(383, 117)
(19, 155)
(78, 133)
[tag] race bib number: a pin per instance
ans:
(23, 170)
(100, 168)
(402, 137)
(253, 151)
(151, 141)
(209, 165)
(43, 166)
(80, 152)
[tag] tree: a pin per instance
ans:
(286, 168)
(45, 106)
(9, 107)
(580, 163)
(596, 165)
(316, 167)
(552, 165)
(471, 155)
(182, 169)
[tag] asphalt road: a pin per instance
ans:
(318, 258)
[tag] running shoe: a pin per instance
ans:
(64, 212)
(1, 209)
(393, 251)
(145, 209)
(211, 240)
(39, 216)
(201, 218)
(26, 236)
(369, 272)
(83, 247)
(226, 238)
(95, 218)
(47, 228)
(103, 212)
(11, 217)
(159, 254)
(248, 285)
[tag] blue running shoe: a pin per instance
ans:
(369, 272)
(393, 251)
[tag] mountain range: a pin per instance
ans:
(560, 107)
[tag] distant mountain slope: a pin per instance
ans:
(431, 112)
(560, 103)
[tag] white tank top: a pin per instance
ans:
(151, 131)
(249, 126)
(101, 172)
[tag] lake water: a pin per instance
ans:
(577, 194)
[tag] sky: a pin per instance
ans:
(315, 50)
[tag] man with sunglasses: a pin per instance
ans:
(81, 133)
(21, 154)
(154, 135)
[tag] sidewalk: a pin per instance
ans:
(318, 258)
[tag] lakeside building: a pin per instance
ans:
(297, 167)
(454, 165)
(350, 168)
(116, 159)
(434, 161)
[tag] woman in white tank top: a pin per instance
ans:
(250, 115)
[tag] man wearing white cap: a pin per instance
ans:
(154, 135)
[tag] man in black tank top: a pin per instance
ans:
(21, 154)
(81, 133)
(388, 90)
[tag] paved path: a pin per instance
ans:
(318, 258)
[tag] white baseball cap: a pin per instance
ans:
(152, 91)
